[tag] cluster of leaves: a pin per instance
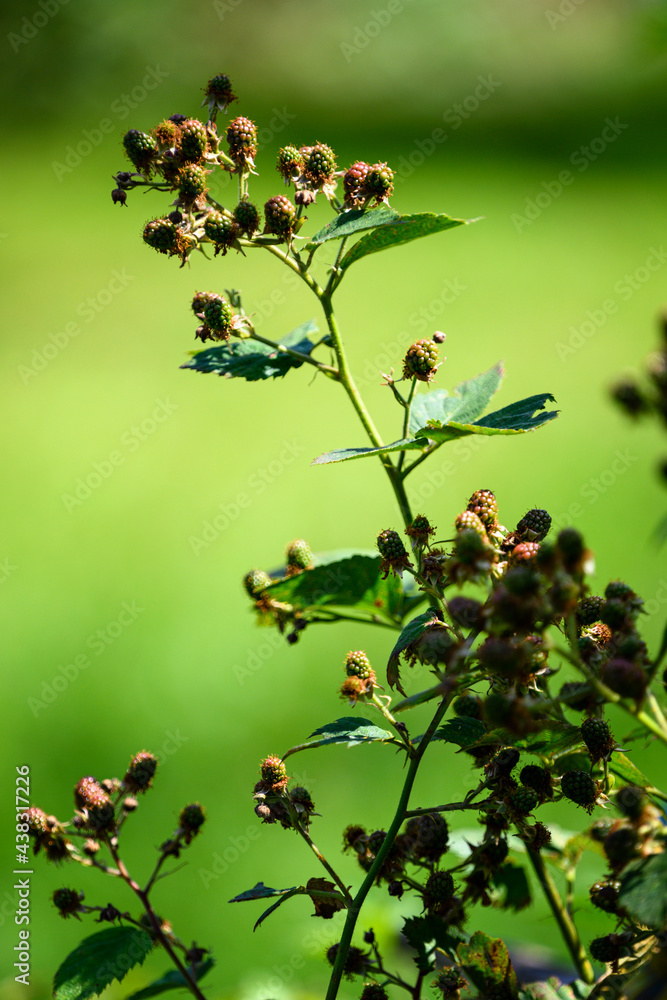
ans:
(91, 837)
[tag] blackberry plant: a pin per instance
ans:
(493, 614)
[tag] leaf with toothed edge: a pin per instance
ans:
(354, 221)
(98, 960)
(405, 229)
(252, 360)
(350, 730)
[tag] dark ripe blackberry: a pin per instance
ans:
(630, 799)
(140, 148)
(319, 165)
(469, 520)
(579, 787)
(588, 610)
(537, 778)
(247, 218)
(289, 163)
(598, 738)
(193, 140)
(605, 949)
(279, 216)
(67, 901)
(439, 890)
(390, 545)
(614, 613)
(468, 706)
(629, 397)
(604, 895)
(221, 230)
(570, 545)
(299, 554)
(218, 316)
(618, 589)
(429, 834)
(161, 235)
(256, 581)
(621, 846)
(241, 136)
(421, 361)
(192, 818)
(191, 182)
(465, 611)
(534, 525)
(522, 580)
(625, 678)
(353, 180)
(357, 664)
(484, 504)
(373, 991)
(524, 800)
(378, 182)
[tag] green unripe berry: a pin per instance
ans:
(484, 504)
(192, 818)
(246, 217)
(161, 234)
(537, 778)
(274, 771)
(256, 581)
(221, 230)
(579, 787)
(357, 664)
(467, 706)
(421, 360)
(289, 163)
(378, 182)
(279, 216)
(524, 800)
(299, 554)
(67, 901)
(588, 610)
(319, 165)
(598, 738)
(218, 315)
(191, 182)
(193, 140)
(140, 148)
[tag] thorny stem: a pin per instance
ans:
(399, 816)
(155, 923)
(567, 928)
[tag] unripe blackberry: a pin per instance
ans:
(449, 982)
(579, 787)
(378, 182)
(161, 234)
(192, 818)
(247, 218)
(300, 796)
(469, 547)
(373, 991)
(621, 846)
(279, 216)
(242, 138)
(140, 148)
(625, 678)
(503, 657)
(353, 180)
(299, 554)
(537, 778)
(140, 772)
(429, 836)
(604, 895)
(191, 182)
(523, 552)
(419, 531)
(484, 504)
(375, 841)
(319, 165)
(199, 302)
(166, 133)
(468, 519)
(524, 800)
(522, 580)
(534, 525)
(465, 611)
(421, 361)
(614, 613)
(218, 315)
(193, 140)
(439, 889)
(88, 792)
(631, 647)
(618, 589)
(36, 819)
(256, 581)
(289, 163)
(539, 836)
(631, 800)
(605, 949)
(498, 709)
(67, 901)
(357, 664)
(467, 706)
(218, 92)
(221, 230)
(390, 545)
(598, 738)
(588, 610)
(274, 772)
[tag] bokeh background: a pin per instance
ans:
(562, 281)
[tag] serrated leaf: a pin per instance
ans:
(406, 229)
(409, 634)
(260, 891)
(487, 963)
(352, 582)
(642, 891)
(518, 418)
(172, 980)
(99, 959)
(460, 730)
(350, 729)
(622, 767)
(252, 360)
(420, 932)
(348, 454)
(354, 221)
(465, 403)
(513, 879)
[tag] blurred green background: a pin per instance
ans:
(561, 280)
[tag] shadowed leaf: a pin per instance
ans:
(172, 980)
(252, 360)
(99, 959)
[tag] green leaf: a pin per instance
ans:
(351, 582)
(172, 980)
(518, 418)
(487, 963)
(513, 879)
(260, 891)
(252, 360)
(283, 899)
(347, 454)
(354, 221)
(466, 402)
(404, 230)
(350, 729)
(622, 767)
(462, 731)
(99, 959)
(419, 932)
(642, 891)
(409, 634)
